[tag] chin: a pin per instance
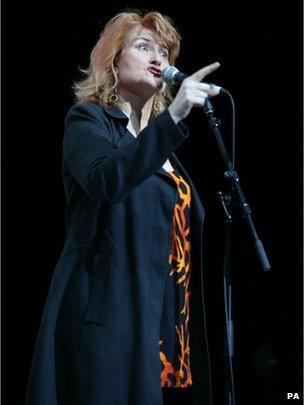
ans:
(158, 84)
(150, 89)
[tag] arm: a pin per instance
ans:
(108, 174)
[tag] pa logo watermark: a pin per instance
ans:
(292, 395)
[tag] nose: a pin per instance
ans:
(156, 59)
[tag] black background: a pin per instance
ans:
(259, 46)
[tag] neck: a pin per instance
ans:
(138, 110)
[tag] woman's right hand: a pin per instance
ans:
(192, 93)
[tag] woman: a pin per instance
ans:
(118, 327)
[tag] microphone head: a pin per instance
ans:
(168, 74)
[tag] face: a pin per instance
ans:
(140, 63)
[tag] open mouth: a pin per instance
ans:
(155, 71)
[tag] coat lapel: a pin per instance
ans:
(198, 207)
(128, 138)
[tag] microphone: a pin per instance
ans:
(171, 75)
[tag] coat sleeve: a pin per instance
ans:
(110, 174)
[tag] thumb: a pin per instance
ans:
(202, 73)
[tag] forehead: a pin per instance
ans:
(141, 32)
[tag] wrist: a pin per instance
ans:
(175, 118)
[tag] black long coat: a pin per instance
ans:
(98, 342)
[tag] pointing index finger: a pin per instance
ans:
(202, 73)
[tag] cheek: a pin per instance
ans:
(133, 64)
(125, 71)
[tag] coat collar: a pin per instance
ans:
(115, 112)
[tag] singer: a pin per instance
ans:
(124, 321)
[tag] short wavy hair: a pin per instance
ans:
(101, 78)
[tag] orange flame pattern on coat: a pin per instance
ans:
(179, 259)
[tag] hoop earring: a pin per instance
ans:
(113, 97)
(157, 106)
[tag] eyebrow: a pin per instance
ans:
(149, 40)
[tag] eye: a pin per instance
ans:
(143, 46)
(165, 53)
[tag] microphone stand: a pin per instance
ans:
(228, 200)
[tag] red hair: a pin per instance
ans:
(101, 77)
